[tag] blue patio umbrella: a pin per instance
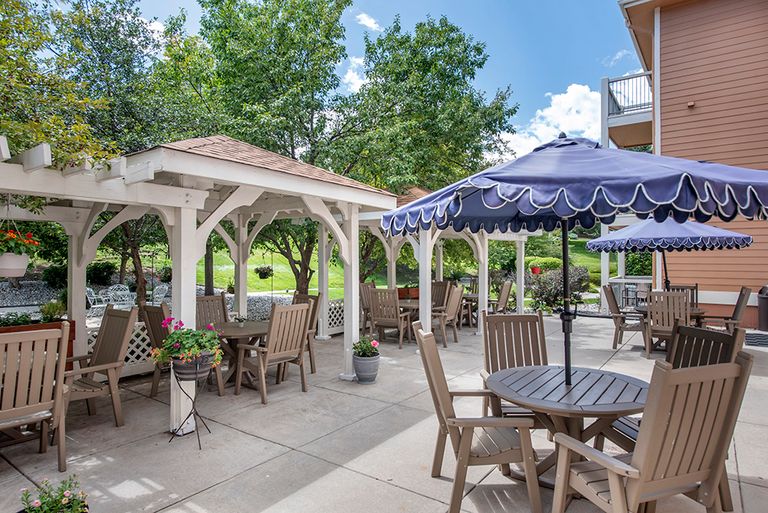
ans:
(572, 181)
(668, 235)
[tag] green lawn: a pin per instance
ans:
(582, 257)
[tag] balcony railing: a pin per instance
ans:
(630, 94)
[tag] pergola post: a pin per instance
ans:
(184, 267)
(392, 265)
(323, 263)
(76, 307)
(424, 257)
(243, 251)
(482, 277)
(520, 276)
(605, 269)
(439, 261)
(351, 230)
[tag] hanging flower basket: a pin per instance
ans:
(192, 369)
(191, 352)
(14, 252)
(13, 265)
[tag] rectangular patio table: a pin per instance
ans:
(231, 334)
(593, 394)
(697, 313)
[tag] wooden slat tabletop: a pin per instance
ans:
(593, 392)
(248, 330)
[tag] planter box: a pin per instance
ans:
(46, 326)
(408, 293)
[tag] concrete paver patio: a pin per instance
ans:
(341, 447)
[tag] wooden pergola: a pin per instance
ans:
(193, 185)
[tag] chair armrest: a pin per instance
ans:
(485, 374)
(252, 347)
(471, 392)
(94, 368)
(491, 422)
(716, 317)
(608, 462)
(72, 359)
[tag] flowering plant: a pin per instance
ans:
(187, 344)
(64, 498)
(12, 241)
(366, 347)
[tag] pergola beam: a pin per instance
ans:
(240, 197)
(35, 158)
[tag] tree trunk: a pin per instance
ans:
(208, 263)
(138, 268)
(123, 267)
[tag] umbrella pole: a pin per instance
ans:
(666, 273)
(566, 316)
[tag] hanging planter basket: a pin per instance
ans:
(13, 265)
(198, 368)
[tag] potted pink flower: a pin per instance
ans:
(365, 357)
(191, 352)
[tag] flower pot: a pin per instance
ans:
(366, 368)
(198, 368)
(241, 324)
(408, 293)
(263, 275)
(13, 265)
(536, 270)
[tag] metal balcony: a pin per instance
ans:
(627, 105)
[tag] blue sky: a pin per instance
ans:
(552, 53)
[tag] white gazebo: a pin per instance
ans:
(193, 185)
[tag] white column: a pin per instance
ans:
(604, 99)
(605, 269)
(520, 276)
(351, 229)
(482, 278)
(76, 291)
(184, 305)
(240, 259)
(439, 261)
(323, 261)
(659, 270)
(622, 264)
(393, 252)
(424, 258)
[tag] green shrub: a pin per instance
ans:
(165, 274)
(502, 255)
(100, 273)
(52, 311)
(547, 288)
(55, 276)
(15, 319)
(639, 264)
(546, 263)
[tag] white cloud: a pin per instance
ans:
(368, 21)
(575, 112)
(354, 78)
(613, 60)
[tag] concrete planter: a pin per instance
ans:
(366, 368)
(13, 265)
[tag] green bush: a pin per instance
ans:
(547, 288)
(100, 273)
(55, 276)
(547, 245)
(546, 263)
(15, 319)
(639, 264)
(52, 311)
(165, 274)
(502, 255)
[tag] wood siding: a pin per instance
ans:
(713, 53)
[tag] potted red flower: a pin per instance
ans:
(14, 252)
(536, 270)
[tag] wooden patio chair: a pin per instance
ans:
(664, 310)
(365, 305)
(107, 358)
(386, 313)
(153, 322)
(32, 366)
(691, 290)
(623, 321)
(475, 441)
(690, 347)
(499, 305)
(513, 340)
(450, 315)
(730, 323)
(212, 310)
(440, 295)
(314, 307)
(286, 342)
(687, 427)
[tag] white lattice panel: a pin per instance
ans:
(335, 316)
(137, 359)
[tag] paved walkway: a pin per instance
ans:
(341, 447)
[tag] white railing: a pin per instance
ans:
(630, 94)
(335, 316)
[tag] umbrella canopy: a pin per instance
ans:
(669, 235)
(573, 181)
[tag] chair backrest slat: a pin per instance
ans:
(474, 284)
(114, 336)
(610, 298)
(287, 330)
(211, 310)
(153, 321)
(32, 365)
(440, 293)
(314, 307)
(365, 295)
(691, 290)
(504, 292)
(453, 304)
(385, 305)
(513, 340)
(665, 308)
(687, 426)
(694, 347)
(741, 303)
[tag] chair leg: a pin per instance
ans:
(562, 485)
(402, 332)
(462, 461)
(445, 336)
(117, 406)
(616, 335)
(455, 332)
(303, 373)
(43, 436)
(90, 405)
(279, 373)
(437, 461)
(155, 381)
(599, 442)
(239, 371)
(61, 441)
(529, 467)
(724, 488)
(311, 346)
(263, 379)
(219, 380)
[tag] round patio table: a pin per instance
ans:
(231, 334)
(596, 394)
